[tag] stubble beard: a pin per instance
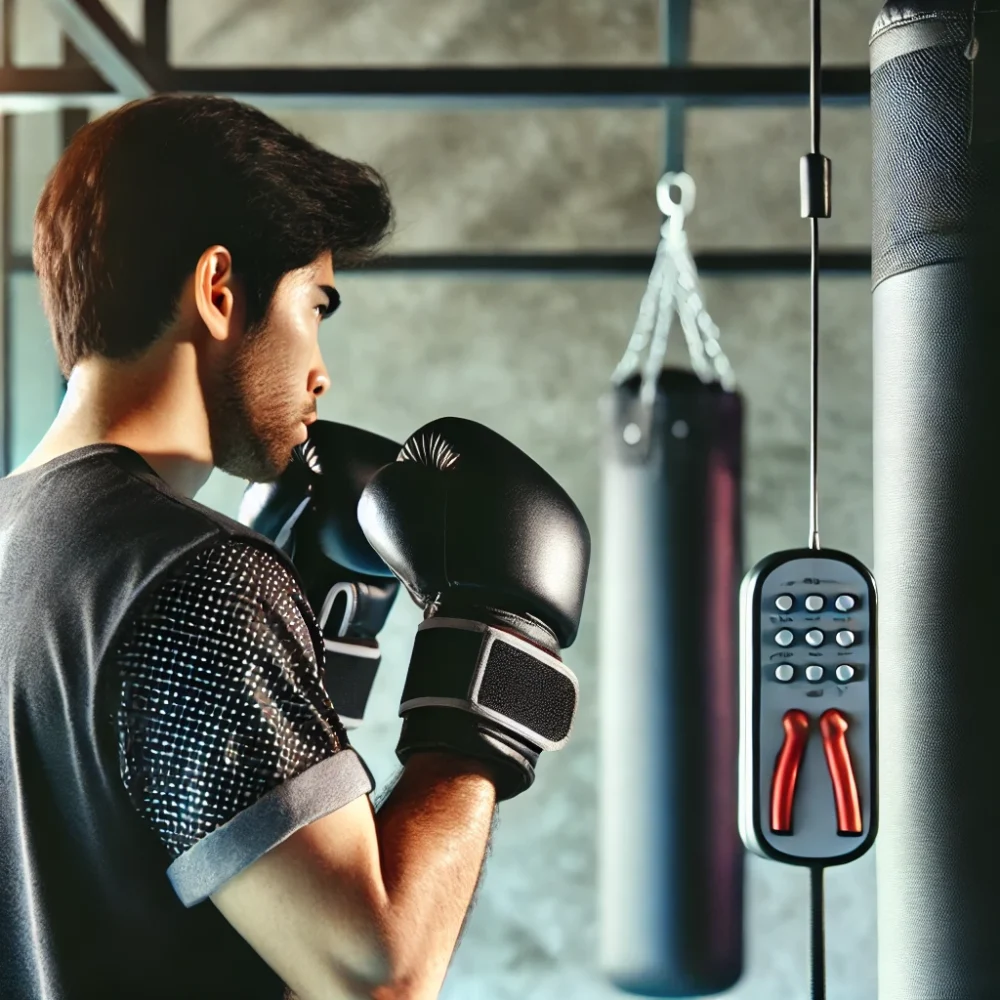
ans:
(250, 423)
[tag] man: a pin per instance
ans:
(167, 737)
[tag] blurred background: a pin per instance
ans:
(526, 230)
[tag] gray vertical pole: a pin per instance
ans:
(675, 25)
(71, 119)
(156, 30)
(7, 28)
(6, 130)
(6, 50)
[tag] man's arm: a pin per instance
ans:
(231, 751)
(359, 904)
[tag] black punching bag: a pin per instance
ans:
(936, 228)
(671, 859)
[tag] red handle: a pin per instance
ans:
(786, 769)
(833, 726)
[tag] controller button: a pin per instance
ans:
(784, 672)
(814, 673)
(845, 672)
(784, 602)
(845, 638)
(814, 602)
(784, 638)
(845, 603)
(814, 637)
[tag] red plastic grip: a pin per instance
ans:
(833, 727)
(786, 769)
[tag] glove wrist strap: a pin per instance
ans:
(493, 674)
(453, 731)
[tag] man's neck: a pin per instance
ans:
(155, 413)
(182, 473)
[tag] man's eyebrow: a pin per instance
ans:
(334, 300)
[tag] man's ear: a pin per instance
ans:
(216, 295)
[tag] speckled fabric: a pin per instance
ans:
(220, 697)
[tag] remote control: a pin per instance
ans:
(808, 734)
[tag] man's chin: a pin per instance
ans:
(260, 465)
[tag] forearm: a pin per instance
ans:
(433, 831)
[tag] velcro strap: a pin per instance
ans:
(494, 674)
(349, 672)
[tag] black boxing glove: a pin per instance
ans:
(310, 513)
(496, 553)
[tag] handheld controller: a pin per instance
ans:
(808, 751)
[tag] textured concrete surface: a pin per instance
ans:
(531, 357)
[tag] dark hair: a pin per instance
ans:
(141, 192)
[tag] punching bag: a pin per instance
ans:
(671, 860)
(936, 226)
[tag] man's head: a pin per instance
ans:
(204, 212)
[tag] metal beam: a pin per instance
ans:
(621, 264)
(7, 30)
(53, 89)
(156, 33)
(475, 87)
(72, 119)
(110, 50)
(580, 264)
(524, 86)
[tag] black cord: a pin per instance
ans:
(815, 198)
(818, 207)
(815, 64)
(817, 944)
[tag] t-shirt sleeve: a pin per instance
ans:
(227, 739)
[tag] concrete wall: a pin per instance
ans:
(530, 358)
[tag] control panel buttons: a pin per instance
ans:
(808, 712)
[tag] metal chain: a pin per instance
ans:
(673, 290)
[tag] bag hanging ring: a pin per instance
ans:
(675, 208)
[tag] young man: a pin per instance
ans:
(159, 665)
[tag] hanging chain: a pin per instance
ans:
(673, 290)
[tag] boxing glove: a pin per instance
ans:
(496, 554)
(310, 512)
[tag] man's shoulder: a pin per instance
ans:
(129, 495)
(107, 509)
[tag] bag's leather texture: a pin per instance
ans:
(87, 908)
